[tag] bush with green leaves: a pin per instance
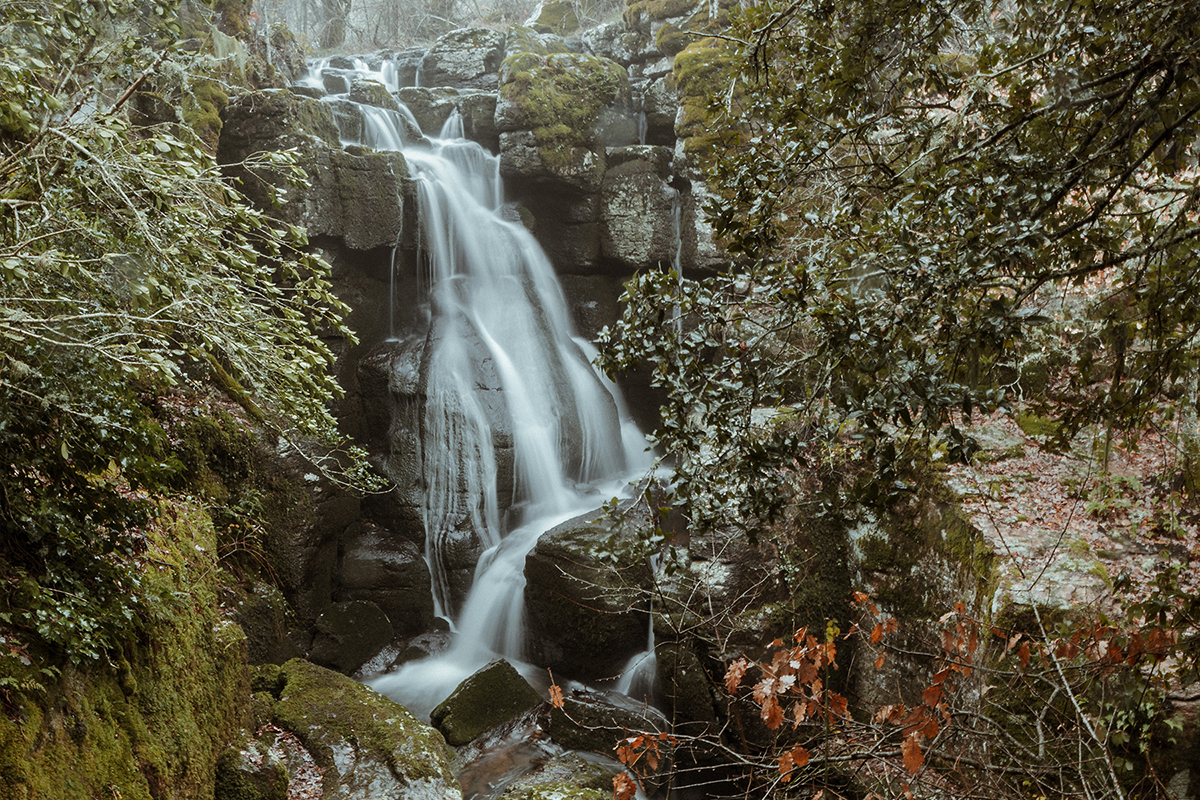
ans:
(128, 266)
(936, 208)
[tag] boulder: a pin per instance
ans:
(493, 695)
(660, 106)
(586, 615)
(371, 92)
(613, 41)
(687, 688)
(639, 211)
(349, 634)
(379, 567)
(569, 776)
(595, 721)
(368, 746)
(525, 161)
(306, 515)
(555, 16)
(478, 110)
(262, 612)
(464, 59)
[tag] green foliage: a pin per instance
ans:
(914, 192)
(127, 266)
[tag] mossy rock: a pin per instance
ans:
(523, 39)
(683, 682)
(642, 11)
(494, 694)
(700, 69)
(251, 772)
(332, 714)
(372, 93)
(569, 776)
(557, 16)
(560, 98)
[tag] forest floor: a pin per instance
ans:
(1064, 527)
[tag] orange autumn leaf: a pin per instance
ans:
(1023, 654)
(879, 661)
(733, 675)
(556, 695)
(624, 787)
(910, 749)
(877, 633)
(772, 713)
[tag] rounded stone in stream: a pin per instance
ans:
(491, 696)
(586, 616)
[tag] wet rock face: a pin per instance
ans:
(493, 695)
(379, 567)
(586, 617)
(465, 59)
(638, 223)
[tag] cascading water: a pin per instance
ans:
(502, 371)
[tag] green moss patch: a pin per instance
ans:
(560, 98)
(325, 708)
(701, 69)
(152, 722)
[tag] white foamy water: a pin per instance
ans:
(506, 380)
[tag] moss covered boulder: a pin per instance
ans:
(566, 777)
(701, 68)
(368, 746)
(561, 98)
(556, 16)
(493, 695)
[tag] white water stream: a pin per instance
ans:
(501, 351)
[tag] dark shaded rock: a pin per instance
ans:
(595, 722)
(686, 687)
(381, 568)
(262, 613)
(349, 634)
(250, 772)
(478, 110)
(368, 746)
(660, 106)
(492, 695)
(306, 516)
(464, 59)
(586, 616)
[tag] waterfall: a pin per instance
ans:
(512, 403)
